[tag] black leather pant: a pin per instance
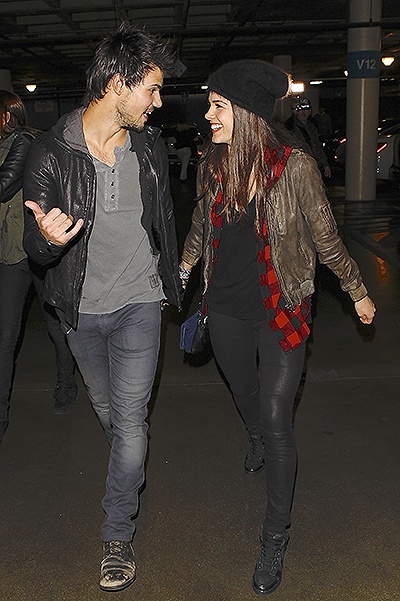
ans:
(15, 281)
(14, 285)
(264, 381)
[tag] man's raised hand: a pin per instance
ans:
(54, 224)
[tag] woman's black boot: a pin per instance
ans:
(268, 571)
(254, 460)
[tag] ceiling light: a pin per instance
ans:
(316, 82)
(31, 87)
(297, 87)
(387, 60)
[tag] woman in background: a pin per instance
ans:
(264, 216)
(15, 274)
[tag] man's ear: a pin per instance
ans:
(116, 84)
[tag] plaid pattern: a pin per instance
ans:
(290, 327)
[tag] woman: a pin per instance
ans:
(15, 275)
(264, 215)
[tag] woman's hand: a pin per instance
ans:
(184, 273)
(365, 309)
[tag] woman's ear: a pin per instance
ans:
(5, 118)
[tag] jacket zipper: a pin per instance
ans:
(82, 265)
(277, 270)
(162, 221)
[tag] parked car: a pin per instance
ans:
(388, 141)
(168, 133)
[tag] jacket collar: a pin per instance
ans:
(69, 129)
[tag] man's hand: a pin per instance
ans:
(54, 224)
(327, 171)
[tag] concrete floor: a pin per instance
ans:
(197, 536)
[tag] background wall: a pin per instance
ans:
(44, 113)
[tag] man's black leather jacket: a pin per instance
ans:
(60, 175)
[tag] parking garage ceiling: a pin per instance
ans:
(51, 42)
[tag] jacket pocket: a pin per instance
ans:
(11, 230)
(327, 215)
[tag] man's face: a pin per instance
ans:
(136, 104)
(303, 115)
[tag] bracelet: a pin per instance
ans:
(184, 273)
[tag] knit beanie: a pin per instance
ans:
(252, 84)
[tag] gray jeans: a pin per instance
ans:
(117, 356)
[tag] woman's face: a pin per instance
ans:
(220, 116)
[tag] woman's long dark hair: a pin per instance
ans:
(232, 166)
(12, 114)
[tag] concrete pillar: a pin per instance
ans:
(362, 112)
(282, 107)
(5, 80)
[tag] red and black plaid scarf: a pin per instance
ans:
(290, 327)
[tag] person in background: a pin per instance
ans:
(306, 133)
(101, 217)
(186, 138)
(264, 216)
(66, 390)
(324, 124)
(15, 274)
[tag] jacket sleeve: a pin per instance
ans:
(321, 224)
(39, 186)
(193, 245)
(169, 260)
(12, 169)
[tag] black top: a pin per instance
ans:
(234, 287)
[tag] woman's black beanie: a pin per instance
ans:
(252, 84)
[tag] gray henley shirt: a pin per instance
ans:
(121, 268)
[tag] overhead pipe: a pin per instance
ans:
(218, 30)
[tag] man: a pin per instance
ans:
(101, 215)
(324, 124)
(306, 133)
(186, 137)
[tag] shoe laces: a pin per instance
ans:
(271, 556)
(116, 547)
(256, 447)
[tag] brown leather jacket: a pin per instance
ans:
(301, 227)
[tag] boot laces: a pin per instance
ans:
(271, 555)
(116, 547)
(256, 447)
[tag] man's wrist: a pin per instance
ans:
(50, 243)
